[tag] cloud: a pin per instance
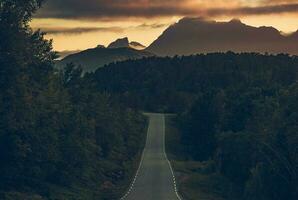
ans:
(97, 9)
(109, 8)
(151, 26)
(80, 30)
(261, 10)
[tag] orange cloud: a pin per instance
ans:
(87, 9)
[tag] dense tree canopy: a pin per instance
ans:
(59, 139)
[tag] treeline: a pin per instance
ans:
(239, 112)
(174, 84)
(59, 138)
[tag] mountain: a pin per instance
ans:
(63, 54)
(92, 59)
(100, 46)
(137, 45)
(198, 35)
(124, 43)
(119, 43)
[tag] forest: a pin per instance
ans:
(238, 112)
(59, 138)
(168, 84)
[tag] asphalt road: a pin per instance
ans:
(155, 179)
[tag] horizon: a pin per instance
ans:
(51, 34)
(91, 22)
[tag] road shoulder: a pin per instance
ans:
(195, 180)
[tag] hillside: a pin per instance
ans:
(92, 59)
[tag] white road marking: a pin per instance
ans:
(141, 162)
(138, 171)
(165, 154)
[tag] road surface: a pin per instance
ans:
(155, 179)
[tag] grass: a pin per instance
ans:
(196, 180)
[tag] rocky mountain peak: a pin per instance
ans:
(119, 43)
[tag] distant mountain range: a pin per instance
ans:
(92, 59)
(198, 35)
(190, 36)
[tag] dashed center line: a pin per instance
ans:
(136, 191)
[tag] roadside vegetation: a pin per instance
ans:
(249, 137)
(59, 138)
(196, 179)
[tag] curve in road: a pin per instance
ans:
(154, 179)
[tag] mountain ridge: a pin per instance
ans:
(92, 59)
(198, 35)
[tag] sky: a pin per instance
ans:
(81, 24)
